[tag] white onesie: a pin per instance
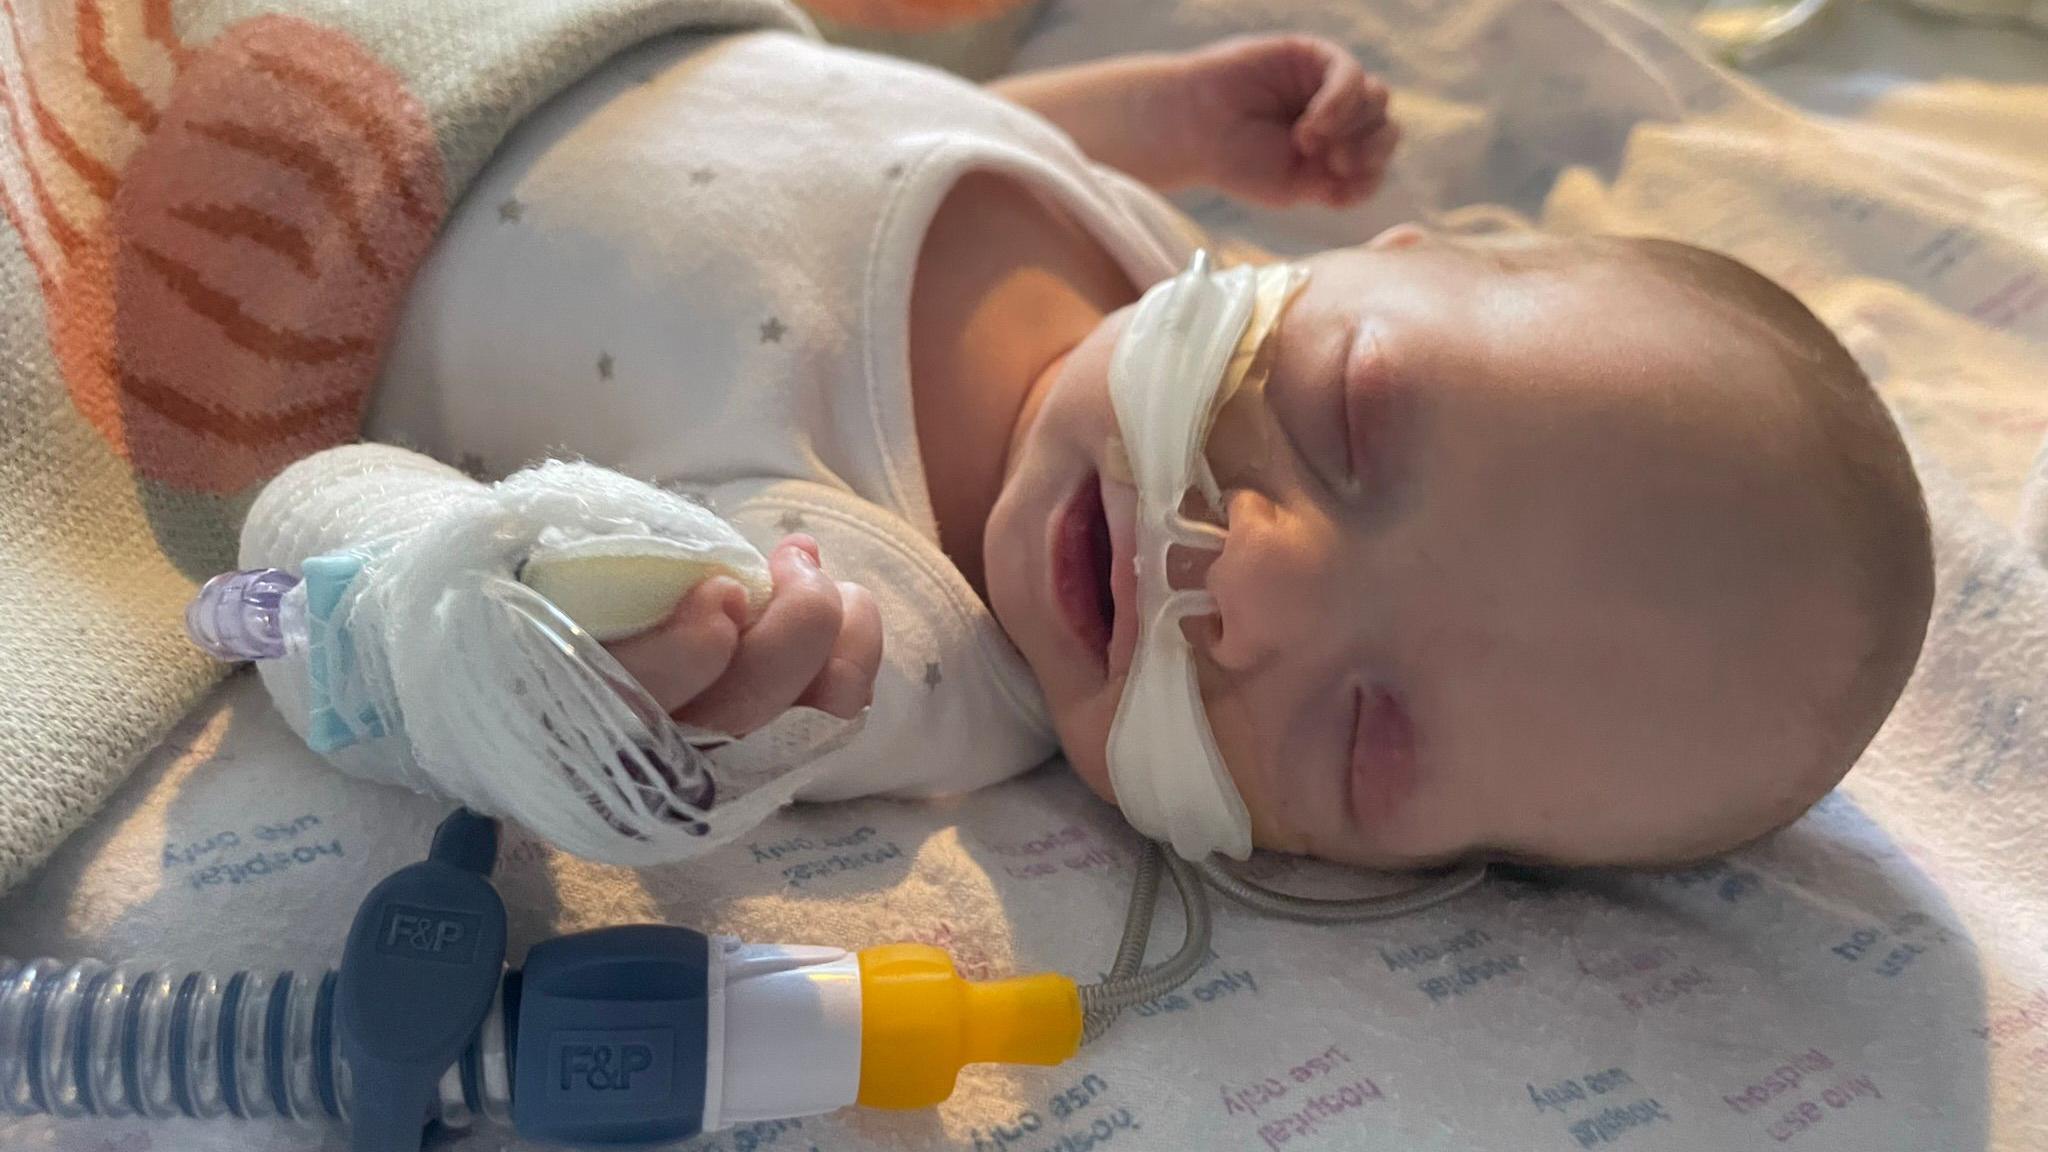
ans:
(695, 268)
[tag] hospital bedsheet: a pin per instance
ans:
(1875, 978)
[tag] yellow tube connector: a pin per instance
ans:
(920, 1023)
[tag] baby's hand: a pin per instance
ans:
(1282, 119)
(817, 643)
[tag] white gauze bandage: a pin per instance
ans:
(1191, 344)
(461, 658)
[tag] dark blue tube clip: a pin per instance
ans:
(418, 977)
(611, 1036)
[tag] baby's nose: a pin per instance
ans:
(1264, 582)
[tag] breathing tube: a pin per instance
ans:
(449, 636)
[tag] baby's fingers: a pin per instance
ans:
(689, 651)
(1368, 167)
(1341, 104)
(1347, 124)
(1377, 151)
(782, 653)
(847, 683)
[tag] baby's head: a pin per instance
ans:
(1587, 551)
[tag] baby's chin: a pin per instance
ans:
(1093, 770)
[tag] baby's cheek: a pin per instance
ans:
(1284, 819)
(1273, 835)
(1452, 816)
(1084, 738)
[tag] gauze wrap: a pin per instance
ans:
(1191, 343)
(450, 690)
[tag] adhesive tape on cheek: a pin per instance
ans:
(1190, 343)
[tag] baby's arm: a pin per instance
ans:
(1274, 119)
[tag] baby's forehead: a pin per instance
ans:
(1456, 264)
(1587, 295)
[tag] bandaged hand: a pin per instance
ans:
(1280, 120)
(817, 643)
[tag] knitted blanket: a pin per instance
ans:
(213, 209)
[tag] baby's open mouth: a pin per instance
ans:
(1081, 563)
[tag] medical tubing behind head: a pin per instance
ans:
(87, 1039)
(1130, 949)
(1319, 910)
(1129, 984)
(1102, 1001)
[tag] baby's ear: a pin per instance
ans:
(1399, 236)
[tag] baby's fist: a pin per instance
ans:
(1282, 119)
(818, 643)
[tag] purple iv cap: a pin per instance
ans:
(237, 615)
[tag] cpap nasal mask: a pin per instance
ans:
(1192, 343)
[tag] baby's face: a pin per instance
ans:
(1518, 562)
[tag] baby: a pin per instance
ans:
(1586, 550)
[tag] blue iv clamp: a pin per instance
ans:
(606, 1029)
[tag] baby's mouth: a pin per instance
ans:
(1120, 504)
(1083, 557)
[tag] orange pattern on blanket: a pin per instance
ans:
(223, 232)
(909, 15)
